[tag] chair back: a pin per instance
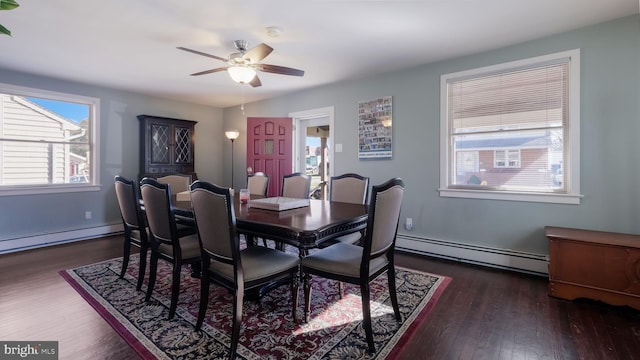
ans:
(349, 188)
(129, 202)
(258, 184)
(177, 182)
(384, 215)
(215, 219)
(160, 214)
(296, 185)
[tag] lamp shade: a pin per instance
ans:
(232, 134)
(241, 74)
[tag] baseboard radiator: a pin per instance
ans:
(37, 241)
(474, 254)
(529, 263)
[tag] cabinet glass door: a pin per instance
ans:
(183, 145)
(159, 144)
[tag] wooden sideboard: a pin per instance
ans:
(598, 265)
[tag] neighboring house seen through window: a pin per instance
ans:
(511, 131)
(47, 141)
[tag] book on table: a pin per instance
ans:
(278, 203)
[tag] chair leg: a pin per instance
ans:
(196, 270)
(340, 289)
(307, 297)
(153, 268)
(143, 266)
(125, 256)
(204, 300)
(175, 289)
(295, 284)
(366, 315)
(237, 320)
(391, 276)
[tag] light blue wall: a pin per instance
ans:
(25, 216)
(610, 108)
(610, 169)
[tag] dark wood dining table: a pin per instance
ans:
(305, 227)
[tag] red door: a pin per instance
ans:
(270, 149)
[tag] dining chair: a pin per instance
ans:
(362, 264)
(258, 184)
(134, 223)
(296, 185)
(349, 188)
(177, 182)
(167, 242)
(226, 265)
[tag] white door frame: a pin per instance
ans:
(299, 147)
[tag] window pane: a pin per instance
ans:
(523, 161)
(525, 99)
(515, 122)
(44, 141)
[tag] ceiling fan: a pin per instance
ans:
(243, 65)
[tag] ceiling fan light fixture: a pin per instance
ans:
(241, 74)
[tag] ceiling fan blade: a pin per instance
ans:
(280, 70)
(258, 53)
(210, 71)
(255, 82)
(203, 54)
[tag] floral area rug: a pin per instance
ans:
(268, 331)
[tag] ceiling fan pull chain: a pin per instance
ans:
(242, 98)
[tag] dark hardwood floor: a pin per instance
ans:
(483, 314)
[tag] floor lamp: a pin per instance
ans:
(232, 135)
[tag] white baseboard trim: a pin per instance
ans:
(36, 241)
(536, 264)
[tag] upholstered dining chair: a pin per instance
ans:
(258, 183)
(177, 182)
(362, 264)
(225, 264)
(179, 247)
(134, 223)
(296, 185)
(349, 188)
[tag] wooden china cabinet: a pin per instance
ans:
(166, 146)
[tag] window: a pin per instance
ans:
(47, 141)
(511, 131)
(506, 158)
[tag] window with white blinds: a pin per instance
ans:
(519, 123)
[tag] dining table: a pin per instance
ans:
(305, 227)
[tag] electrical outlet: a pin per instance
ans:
(87, 215)
(408, 224)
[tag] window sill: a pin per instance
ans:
(50, 189)
(573, 199)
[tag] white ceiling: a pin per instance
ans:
(131, 45)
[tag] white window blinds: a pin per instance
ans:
(517, 122)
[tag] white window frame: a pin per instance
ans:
(507, 157)
(572, 156)
(94, 145)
